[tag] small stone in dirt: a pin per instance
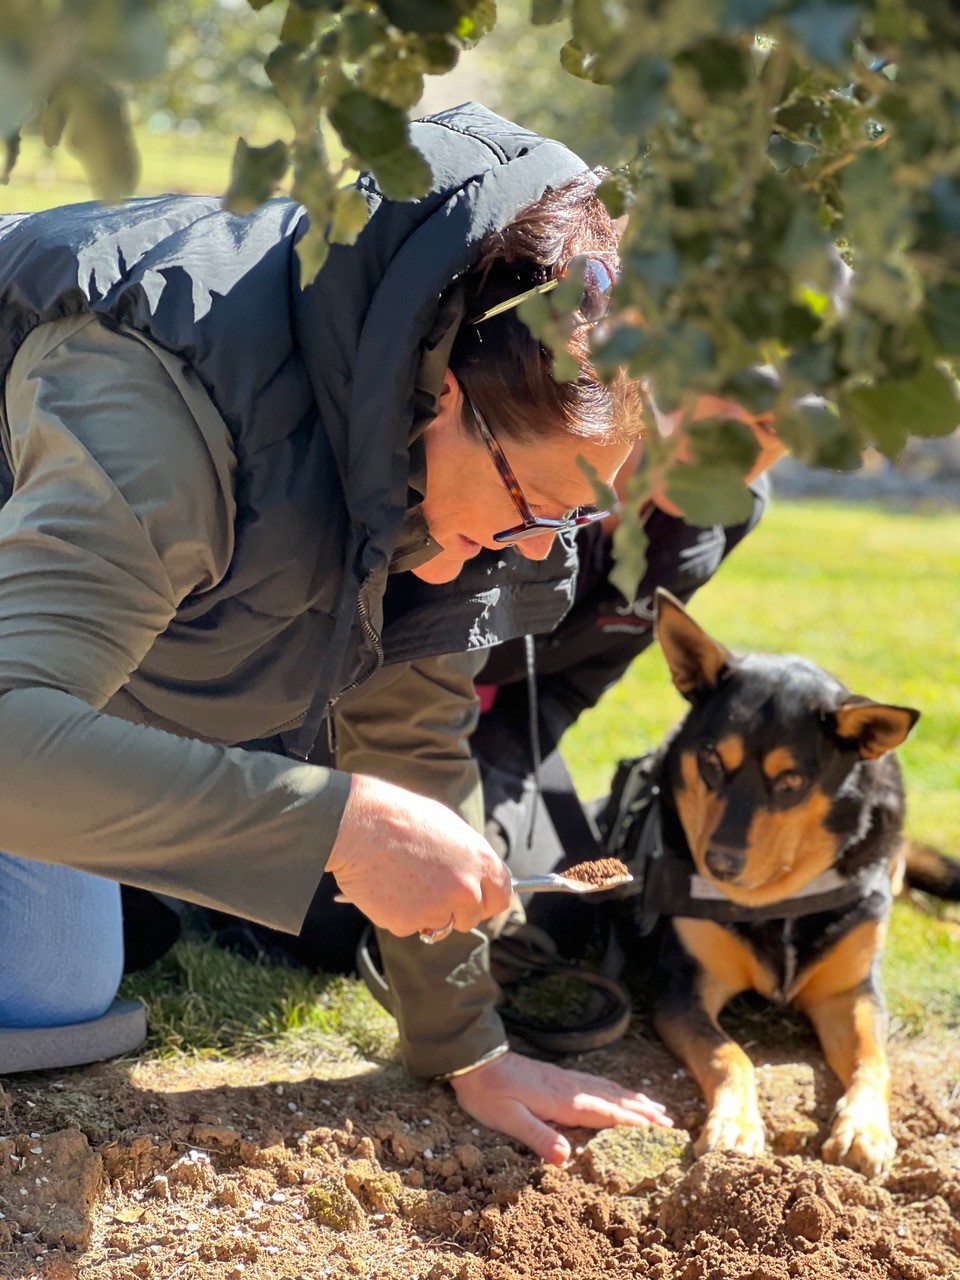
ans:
(469, 1156)
(376, 1189)
(332, 1203)
(628, 1161)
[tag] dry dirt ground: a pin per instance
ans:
(249, 1171)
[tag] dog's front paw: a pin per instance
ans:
(732, 1128)
(861, 1137)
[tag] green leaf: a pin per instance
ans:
(816, 436)
(784, 154)
(367, 125)
(708, 495)
(754, 388)
(630, 544)
(312, 250)
(710, 488)
(440, 54)
(98, 132)
(393, 78)
(604, 495)
(578, 61)
(299, 25)
(721, 66)
(11, 149)
(294, 77)
(479, 19)
(814, 363)
(53, 121)
(549, 317)
(825, 30)
(888, 412)
(350, 214)
(943, 317)
(401, 174)
(544, 12)
(359, 31)
(255, 175)
(722, 442)
(638, 95)
(614, 197)
(800, 115)
(745, 15)
(423, 16)
(618, 347)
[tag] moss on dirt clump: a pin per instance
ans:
(629, 1161)
(333, 1204)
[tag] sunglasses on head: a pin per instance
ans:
(599, 277)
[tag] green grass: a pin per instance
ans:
(206, 1002)
(170, 163)
(45, 176)
(921, 971)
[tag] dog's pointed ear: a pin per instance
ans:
(874, 727)
(694, 659)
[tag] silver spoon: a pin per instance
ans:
(552, 882)
(549, 883)
(555, 883)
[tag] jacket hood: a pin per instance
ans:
(373, 312)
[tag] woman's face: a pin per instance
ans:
(466, 502)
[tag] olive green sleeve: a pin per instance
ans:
(244, 831)
(411, 725)
(103, 536)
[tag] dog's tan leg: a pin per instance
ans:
(686, 1018)
(851, 1024)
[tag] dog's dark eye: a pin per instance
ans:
(788, 782)
(711, 766)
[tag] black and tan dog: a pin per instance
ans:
(779, 787)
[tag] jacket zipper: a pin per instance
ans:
(370, 631)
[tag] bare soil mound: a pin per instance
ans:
(254, 1169)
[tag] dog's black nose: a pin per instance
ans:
(724, 863)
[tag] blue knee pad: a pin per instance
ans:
(61, 944)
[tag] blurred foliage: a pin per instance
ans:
(752, 137)
(528, 84)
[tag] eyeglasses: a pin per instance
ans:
(530, 526)
(599, 277)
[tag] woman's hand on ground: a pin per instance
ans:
(410, 863)
(524, 1098)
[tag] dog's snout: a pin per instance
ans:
(723, 862)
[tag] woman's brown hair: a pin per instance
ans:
(503, 369)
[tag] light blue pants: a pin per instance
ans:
(61, 944)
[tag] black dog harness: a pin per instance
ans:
(669, 885)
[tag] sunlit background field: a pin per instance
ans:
(870, 592)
